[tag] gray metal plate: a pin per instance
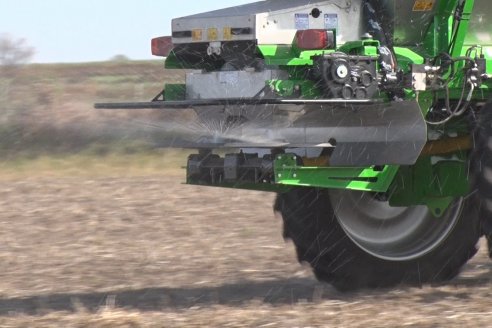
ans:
(229, 84)
(365, 134)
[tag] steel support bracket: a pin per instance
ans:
(289, 170)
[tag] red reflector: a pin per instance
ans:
(162, 46)
(312, 39)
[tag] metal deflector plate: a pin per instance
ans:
(363, 133)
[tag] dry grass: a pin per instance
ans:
(49, 108)
(166, 162)
(147, 251)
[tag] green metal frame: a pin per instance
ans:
(289, 172)
(432, 183)
(428, 182)
(435, 185)
(175, 92)
(288, 55)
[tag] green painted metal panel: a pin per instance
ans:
(406, 57)
(172, 62)
(425, 181)
(284, 55)
(462, 28)
(289, 172)
(175, 92)
(438, 205)
(435, 185)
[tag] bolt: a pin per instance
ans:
(294, 175)
(279, 175)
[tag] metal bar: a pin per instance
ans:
(288, 172)
(462, 28)
(229, 102)
(265, 187)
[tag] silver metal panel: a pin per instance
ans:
(219, 23)
(363, 134)
(377, 134)
(280, 26)
(229, 84)
(276, 21)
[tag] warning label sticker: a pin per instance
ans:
(331, 21)
(423, 5)
(302, 21)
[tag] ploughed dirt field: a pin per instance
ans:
(150, 252)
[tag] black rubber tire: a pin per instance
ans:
(311, 223)
(482, 159)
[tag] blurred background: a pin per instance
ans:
(57, 58)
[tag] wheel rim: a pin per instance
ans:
(392, 233)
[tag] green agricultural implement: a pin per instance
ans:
(370, 119)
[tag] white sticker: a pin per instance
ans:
(302, 21)
(229, 78)
(331, 21)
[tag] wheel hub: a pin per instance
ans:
(391, 233)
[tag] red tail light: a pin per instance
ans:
(162, 46)
(312, 39)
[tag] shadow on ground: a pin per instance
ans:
(271, 292)
(278, 292)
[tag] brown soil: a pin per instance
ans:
(151, 252)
